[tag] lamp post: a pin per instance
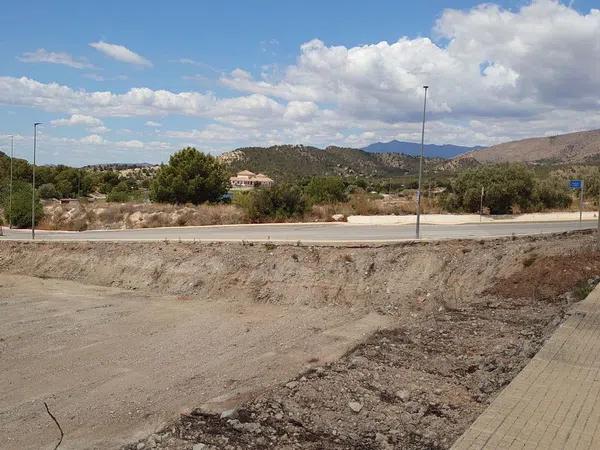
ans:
(35, 125)
(10, 184)
(421, 165)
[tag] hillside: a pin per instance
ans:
(287, 162)
(581, 147)
(414, 149)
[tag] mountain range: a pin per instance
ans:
(447, 151)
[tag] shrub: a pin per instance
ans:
(280, 202)
(505, 185)
(47, 191)
(189, 177)
(325, 190)
(21, 205)
(552, 193)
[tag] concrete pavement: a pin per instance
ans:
(309, 233)
(554, 403)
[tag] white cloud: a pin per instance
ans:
(96, 77)
(42, 55)
(495, 75)
(151, 123)
(120, 53)
(77, 119)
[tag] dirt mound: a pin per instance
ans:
(547, 277)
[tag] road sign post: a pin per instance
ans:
(578, 184)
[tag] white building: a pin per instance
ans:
(249, 180)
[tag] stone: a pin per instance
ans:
(199, 446)
(338, 217)
(355, 406)
(291, 384)
(403, 395)
(141, 446)
(229, 414)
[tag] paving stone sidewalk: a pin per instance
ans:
(554, 403)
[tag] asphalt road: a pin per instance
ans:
(317, 233)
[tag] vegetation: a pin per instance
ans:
(282, 201)
(326, 190)
(190, 177)
(20, 212)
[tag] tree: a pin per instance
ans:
(190, 177)
(21, 205)
(326, 190)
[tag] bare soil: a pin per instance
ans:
(458, 335)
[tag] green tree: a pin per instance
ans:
(326, 190)
(21, 205)
(189, 177)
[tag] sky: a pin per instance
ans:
(133, 81)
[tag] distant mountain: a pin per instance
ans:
(582, 147)
(412, 148)
(288, 162)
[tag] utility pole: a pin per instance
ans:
(418, 233)
(35, 125)
(10, 185)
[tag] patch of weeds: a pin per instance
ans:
(295, 257)
(583, 289)
(348, 258)
(270, 246)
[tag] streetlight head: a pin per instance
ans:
(425, 87)
(37, 123)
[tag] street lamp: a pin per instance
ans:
(35, 125)
(10, 185)
(421, 165)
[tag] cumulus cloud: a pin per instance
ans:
(495, 75)
(120, 53)
(42, 55)
(151, 123)
(77, 119)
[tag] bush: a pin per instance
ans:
(506, 185)
(190, 177)
(326, 190)
(21, 205)
(552, 193)
(47, 191)
(280, 202)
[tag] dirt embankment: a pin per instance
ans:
(468, 316)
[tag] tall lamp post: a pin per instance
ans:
(10, 185)
(35, 125)
(421, 165)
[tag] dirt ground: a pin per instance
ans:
(463, 318)
(116, 365)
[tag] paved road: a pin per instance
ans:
(554, 403)
(324, 232)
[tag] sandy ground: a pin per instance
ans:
(115, 365)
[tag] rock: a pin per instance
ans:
(403, 395)
(291, 384)
(199, 446)
(229, 414)
(355, 406)
(338, 217)
(141, 446)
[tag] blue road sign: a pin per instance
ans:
(575, 184)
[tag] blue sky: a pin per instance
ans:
(135, 81)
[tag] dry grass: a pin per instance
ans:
(81, 216)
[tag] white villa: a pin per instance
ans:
(249, 180)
